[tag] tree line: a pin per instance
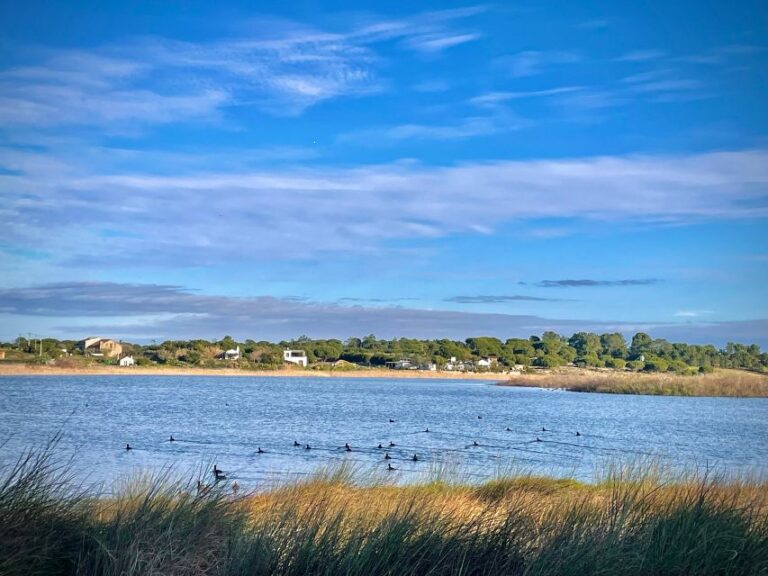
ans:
(584, 349)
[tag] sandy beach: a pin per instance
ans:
(33, 370)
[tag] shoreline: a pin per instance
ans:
(721, 383)
(33, 370)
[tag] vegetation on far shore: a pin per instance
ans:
(730, 383)
(551, 350)
(630, 522)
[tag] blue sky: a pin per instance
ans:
(419, 169)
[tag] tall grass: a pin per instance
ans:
(627, 523)
(720, 383)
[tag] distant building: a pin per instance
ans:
(295, 357)
(127, 361)
(232, 354)
(2, 354)
(403, 364)
(455, 365)
(100, 347)
(487, 361)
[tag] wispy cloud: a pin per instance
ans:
(642, 55)
(492, 98)
(58, 204)
(497, 299)
(432, 43)
(587, 283)
(285, 70)
(533, 62)
(692, 313)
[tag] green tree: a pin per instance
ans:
(614, 345)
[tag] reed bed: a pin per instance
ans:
(733, 383)
(628, 522)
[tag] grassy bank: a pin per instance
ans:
(629, 523)
(736, 383)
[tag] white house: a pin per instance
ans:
(401, 365)
(127, 361)
(232, 354)
(295, 357)
(455, 365)
(487, 362)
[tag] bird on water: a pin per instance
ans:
(128, 447)
(387, 456)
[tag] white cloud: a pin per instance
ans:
(147, 311)
(432, 43)
(533, 62)
(195, 216)
(493, 98)
(692, 313)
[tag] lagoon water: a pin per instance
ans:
(225, 420)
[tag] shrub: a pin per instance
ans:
(615, 363)
(636, 365)
(656, 365)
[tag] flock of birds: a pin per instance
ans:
(219, 475)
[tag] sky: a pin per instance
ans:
(408, 169)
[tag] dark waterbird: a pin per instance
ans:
(387, 456)
(509, 429)
(218, 474)
(379, 446)
(259, 451)
(415, 458)
(347, 447)
(474, 443)
(390, 467)
(578, 433)
(128, 447)
(307, 447)
(295, 443)
(391, 444)
(171, 439)
(391, 420)
(426, 429)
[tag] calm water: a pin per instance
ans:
(225, 420)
